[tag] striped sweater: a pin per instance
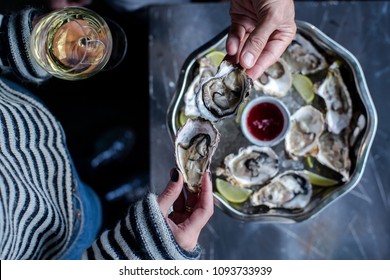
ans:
(15, 56)
(37, 177)
(36, 184)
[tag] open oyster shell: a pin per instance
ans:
(307, 124)
(221, 95)
(276, 79)
(303, 57)
(252, 165)
(206, 69)
(195, 145)
(290, 190)
(333, 152)
(337, 99)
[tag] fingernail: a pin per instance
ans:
(232, 45)
(249, 59)
(174, 175)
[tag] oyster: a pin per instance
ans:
(337, 99)
(333, 152)
(252, 165)
(195, 144)
(303, 57)
(290, 190)
(221, 95)
(307, 124)
(276, 79)
(206, 69)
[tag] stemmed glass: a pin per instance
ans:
(75, 43)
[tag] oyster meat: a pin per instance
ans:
(337, 99)
(307, 124)
(221, 95)
(205, 69)
(333, 152)
(290, 190)
(195, 144)
(303, 57)
(252, 165)
(276, 79)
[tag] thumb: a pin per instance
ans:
(171, 192)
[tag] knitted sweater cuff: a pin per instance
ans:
(165, 245)
(143, 234)
(16, 57)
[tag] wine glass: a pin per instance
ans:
(75, 43)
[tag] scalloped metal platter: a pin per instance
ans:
(322, 197)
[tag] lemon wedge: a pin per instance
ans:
(319, 180)
(232, 193)
(216, 57)
(304, 86)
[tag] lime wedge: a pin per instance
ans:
(216, 57)
(183, 118)
(309, 162)
(239, 111)
(232, 193)
(319, 180)
(304, 86)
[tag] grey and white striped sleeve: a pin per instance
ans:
(15, 54)
(142, 234)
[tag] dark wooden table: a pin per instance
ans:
(355, 226)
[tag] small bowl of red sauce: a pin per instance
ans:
(265, 121)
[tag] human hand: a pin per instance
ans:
(59, 4)
(260, 32)
(190, 214)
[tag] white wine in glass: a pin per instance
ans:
(72, 43)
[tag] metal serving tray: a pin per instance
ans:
(322, 196)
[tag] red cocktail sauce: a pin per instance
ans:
(265, 121)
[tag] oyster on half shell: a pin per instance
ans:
(334, 153)
(195, 144)
(276, 79)
(252, 165)
(303, 57)
(205, 70)
(337, 99)
(290, 190)
(221, 95)
(307, 124)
